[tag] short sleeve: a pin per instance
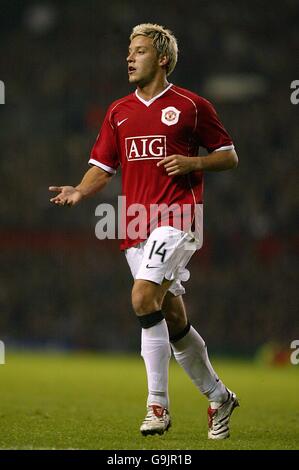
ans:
(210, 131)
(104, 153)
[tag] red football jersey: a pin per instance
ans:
(136, 134)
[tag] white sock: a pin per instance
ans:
(191, 353)
(156, 352)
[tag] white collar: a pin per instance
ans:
(149, 102)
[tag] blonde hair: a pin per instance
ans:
(164, 42)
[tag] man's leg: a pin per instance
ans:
(190, 350)
(147, 299)
(191, 353)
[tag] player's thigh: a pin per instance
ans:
(147, 294)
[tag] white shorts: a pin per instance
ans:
(164, 255)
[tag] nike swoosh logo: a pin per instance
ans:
(120, 122)
(150, 267)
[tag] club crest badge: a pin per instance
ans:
(170, 115)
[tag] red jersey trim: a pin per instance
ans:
(107, 168)
(154, 98)
(225, 147)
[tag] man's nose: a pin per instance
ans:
(130, 58)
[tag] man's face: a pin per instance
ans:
(143, 61)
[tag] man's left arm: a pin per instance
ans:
(216, 161)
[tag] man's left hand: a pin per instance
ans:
(177, 165)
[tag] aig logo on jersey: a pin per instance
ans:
(146, 147)
(170, 115)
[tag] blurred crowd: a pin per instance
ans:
(63, 63)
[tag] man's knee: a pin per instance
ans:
(145, 298)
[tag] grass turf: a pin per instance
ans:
(82, 401)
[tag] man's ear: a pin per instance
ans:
(163, 60)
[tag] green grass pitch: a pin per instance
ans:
(86, 401)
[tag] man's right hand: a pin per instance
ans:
(68, 195)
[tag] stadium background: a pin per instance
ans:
(62, 63)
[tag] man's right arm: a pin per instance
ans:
(94, 180)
